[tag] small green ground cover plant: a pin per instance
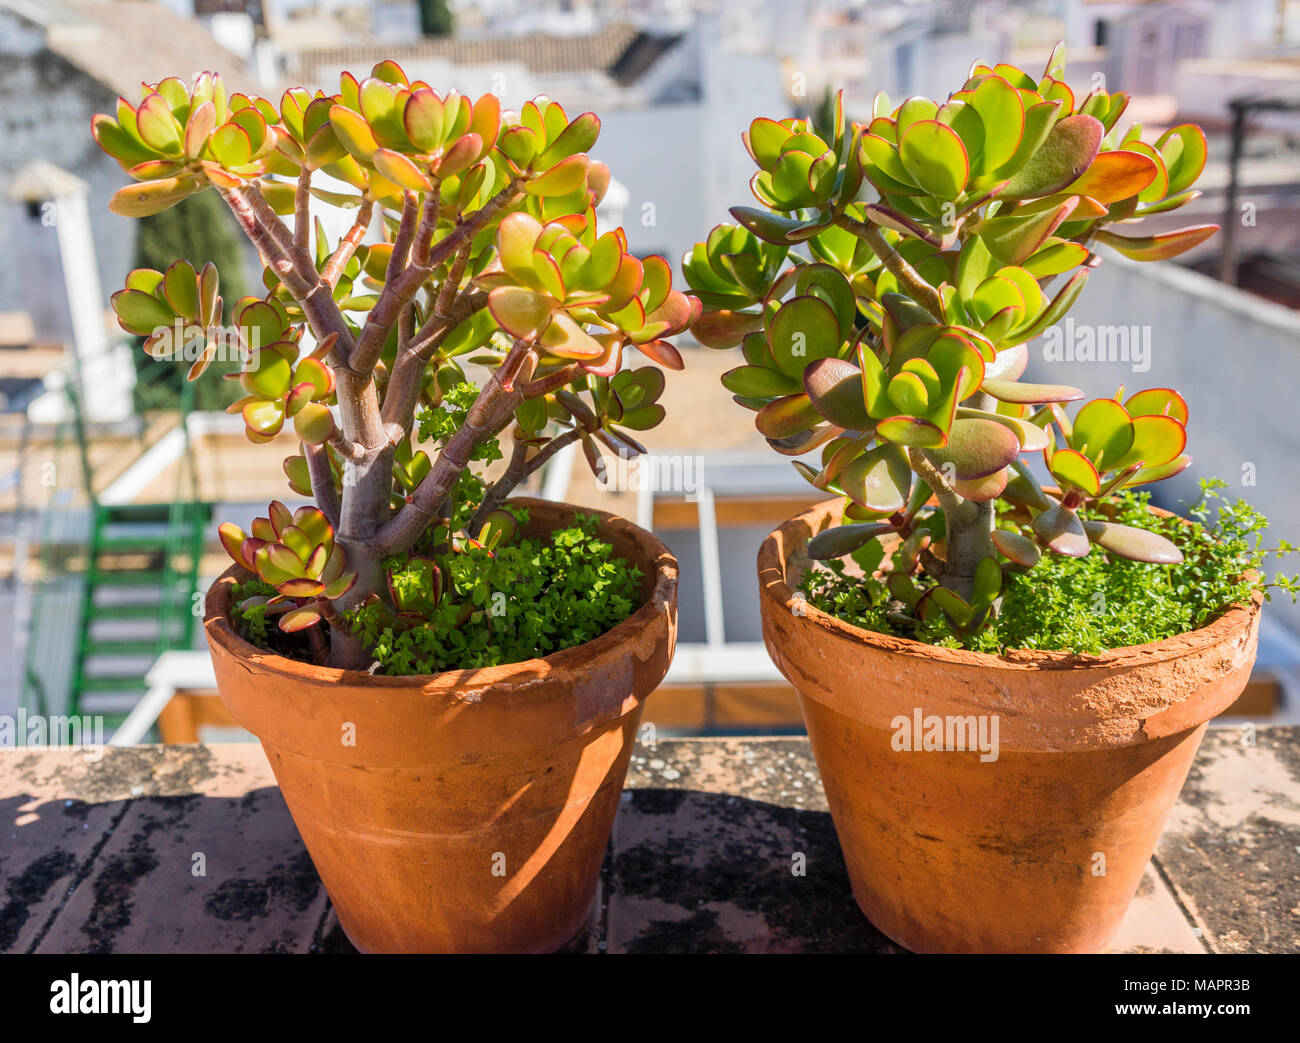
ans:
(529, 598)
(1091, 604)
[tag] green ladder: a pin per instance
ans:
(136, 589)
(142, 566)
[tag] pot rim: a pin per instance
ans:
(772, 571)
(657, 558)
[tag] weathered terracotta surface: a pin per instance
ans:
(950, 853)
(471, 811)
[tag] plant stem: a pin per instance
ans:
(317, 642)
(450, 288)
(348, 244)
(399, 291)
(361, 515)
(353, 451)
(347, 650)
(404, 384)
(921, 291)
(302, 217)
(951, 503)
(520, 468)
(367, 480)
(428, 226)
(969, 525)
(552, 381)
(431, 334)
(358, 399)
(401, 255)
(968, 542)
(322, 481)
(491, 411)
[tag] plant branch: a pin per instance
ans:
(264, 215)
(407, 377)
(969, 527)
(399, 291)
(952, 504)
(922, 292)
(348, 244)
(366, 481)
(406, 329)
(402, 241)
(264, 229)
(521, 466)
(322, 480)
(968, 542)
(302, 216)
(552, 381)
(353, 451)
(428, 226)
(433, 332)
(491, 411)
(450, 289)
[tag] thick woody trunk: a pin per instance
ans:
(969, 538)
(367, 485)
(969, 541)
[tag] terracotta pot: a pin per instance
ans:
(1038, 850)
(466, 811)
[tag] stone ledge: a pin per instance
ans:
(99, 856)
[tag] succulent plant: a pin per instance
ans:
(883, 295)
(487, 250)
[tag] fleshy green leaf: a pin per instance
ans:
(935, 158)
(1132, 543)
(1059, 161)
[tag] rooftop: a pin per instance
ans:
(622, 51)
(126, 42)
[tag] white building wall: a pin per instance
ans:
(45, 112)
(738, 88)
(684, 164)
(656, 154)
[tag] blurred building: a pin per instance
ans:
(672, 105)
(63, 61)
(675, 83)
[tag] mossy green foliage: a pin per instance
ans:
(250, 622)
(1094, 603)
(529, 598)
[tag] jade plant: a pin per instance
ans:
(883, 294)
(473, 240)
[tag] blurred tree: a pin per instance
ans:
(436, 18)
(823, 116)
(199, 229)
